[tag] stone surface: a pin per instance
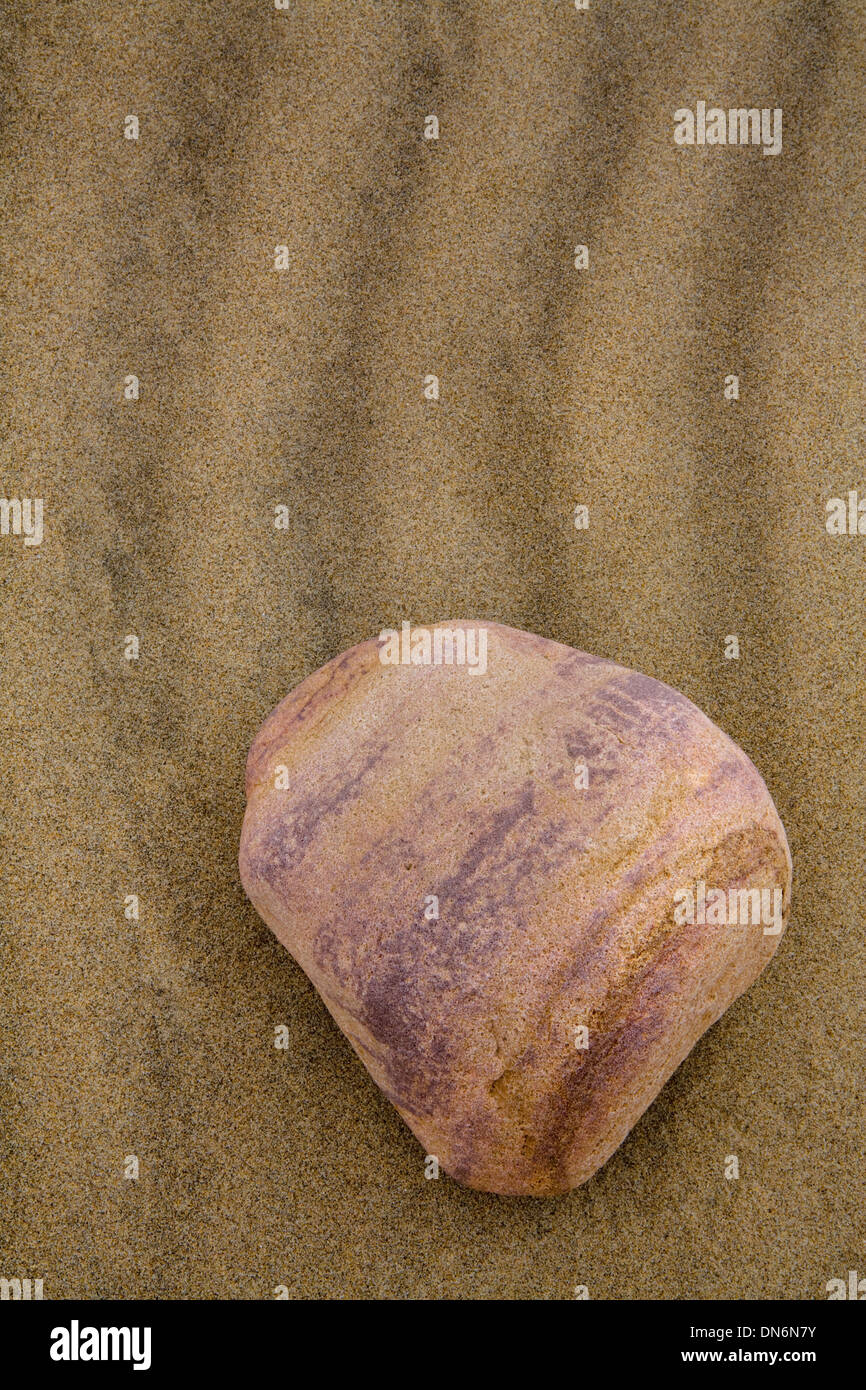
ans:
(373, 789)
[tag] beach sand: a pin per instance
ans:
(304, 388)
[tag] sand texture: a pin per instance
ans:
(303, 389)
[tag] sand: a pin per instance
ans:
(304, 388)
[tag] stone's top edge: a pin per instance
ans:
(307, 698)
(304, 705)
